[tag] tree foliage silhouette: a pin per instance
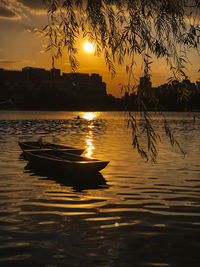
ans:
(122, 30)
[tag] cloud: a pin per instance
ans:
(36, 4)
(15, 9)
(6, 11)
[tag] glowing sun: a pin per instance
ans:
(88, 47)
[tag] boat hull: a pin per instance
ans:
(68, 163)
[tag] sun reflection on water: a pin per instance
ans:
(89, 116)
(89, 144)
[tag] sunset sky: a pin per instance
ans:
(22, 44)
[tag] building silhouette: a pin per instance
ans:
(82, 83)
(45, 87)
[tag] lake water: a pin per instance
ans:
(144, 214)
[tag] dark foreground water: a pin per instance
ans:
(144, 215)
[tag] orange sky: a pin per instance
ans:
(21, 44)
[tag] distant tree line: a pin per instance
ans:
(170, 97)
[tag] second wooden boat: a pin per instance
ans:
(37, 145)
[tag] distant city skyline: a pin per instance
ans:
(61, 73)
(22, 43)
(37, 88)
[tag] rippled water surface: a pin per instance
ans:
(144, 214)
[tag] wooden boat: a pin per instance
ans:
(36, 145)
(62, 162)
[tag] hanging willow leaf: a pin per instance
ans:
(122, 30)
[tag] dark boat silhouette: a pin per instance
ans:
(61, 161)
(33, 145)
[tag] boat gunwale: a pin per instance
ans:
(50, 157)
(37, 145)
